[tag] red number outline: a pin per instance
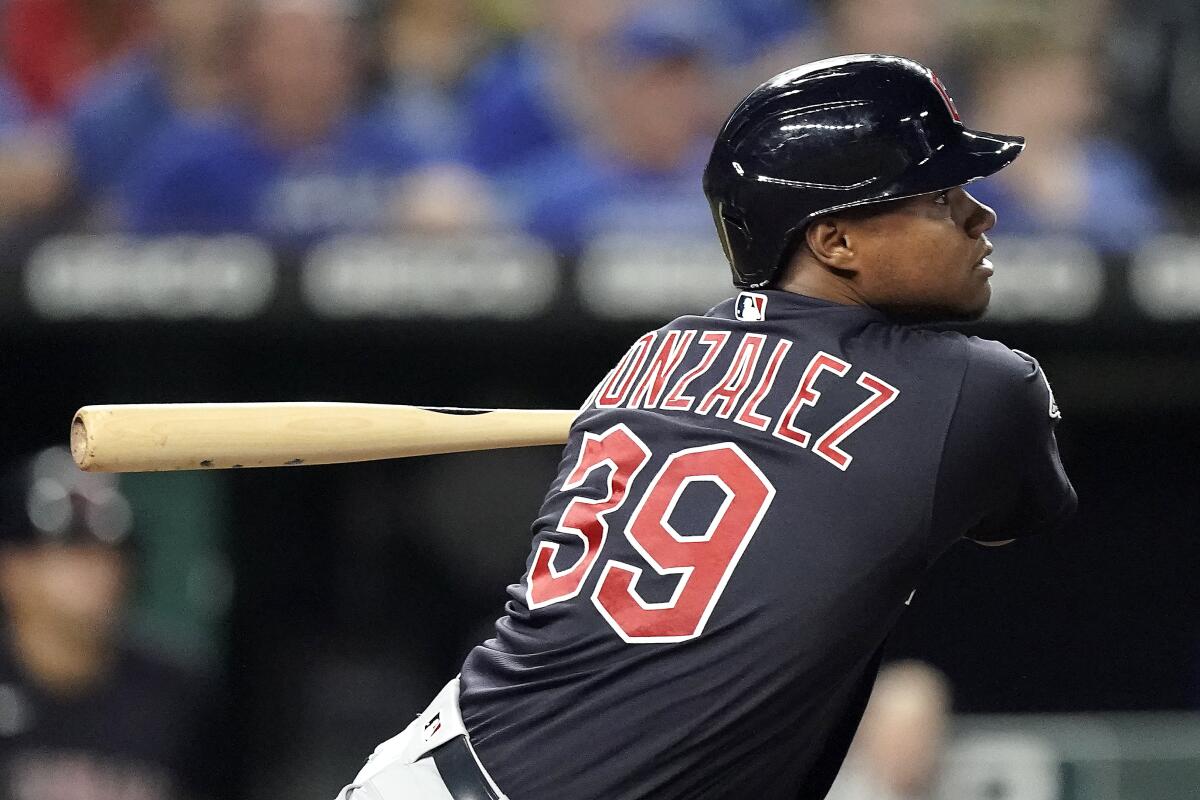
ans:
(544, 578)
(630, 574)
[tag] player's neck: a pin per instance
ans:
(806, 276)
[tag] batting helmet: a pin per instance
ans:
(831, 135)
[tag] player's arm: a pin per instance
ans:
(1001, 476)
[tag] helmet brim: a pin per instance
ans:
(970, 157)
(975, 155)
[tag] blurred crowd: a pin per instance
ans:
(292, 120)
(85, 711)
(901, 743)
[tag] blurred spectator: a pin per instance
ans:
(33, 162)
(754, 26)
(82, 716)
(34, 171)
(760, 38)
(1071, 179)
(445, 198)
(916, 29)
(51, 46)
(14, 111)
(1154, 50)
(638, 167)
(186, 71)
(901, 739)
(539, 94)
(428, 48)
(1072, 22)
(302, 162)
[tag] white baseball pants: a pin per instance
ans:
(401, 769)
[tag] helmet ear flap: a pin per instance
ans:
(736, 241)
(735, 235)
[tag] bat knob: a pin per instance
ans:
(79, 442)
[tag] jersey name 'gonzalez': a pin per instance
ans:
(747, 500)
(642, 380)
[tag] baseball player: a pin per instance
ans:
(750, 496)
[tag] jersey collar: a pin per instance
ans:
(786, 305)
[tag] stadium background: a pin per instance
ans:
(480, 204)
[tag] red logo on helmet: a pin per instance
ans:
(937, 83)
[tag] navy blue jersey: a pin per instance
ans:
(742, 510)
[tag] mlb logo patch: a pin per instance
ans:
(750, 307)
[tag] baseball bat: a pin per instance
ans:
(174, 436)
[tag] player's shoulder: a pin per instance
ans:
(930, 340)
(1008, 378)
(700, 322)
(995, 362)
(989, 367)
(987, 359)
(928, 351)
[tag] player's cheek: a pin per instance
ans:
(955, 289)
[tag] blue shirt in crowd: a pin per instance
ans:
(569, 195)
(114, 118)
(512, 108)
(750, 27)
(14, 112)
(206, 177)
(512, 97)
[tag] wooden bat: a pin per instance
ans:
(173, 436)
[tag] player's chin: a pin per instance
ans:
(983, 300)
(977, 305)
(969, 303)
(957, 309)
(958, 302)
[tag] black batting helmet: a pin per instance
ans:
(831, 135)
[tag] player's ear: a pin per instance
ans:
(829, 240)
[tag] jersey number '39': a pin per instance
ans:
(703, 562)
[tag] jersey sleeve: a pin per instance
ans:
(1001, 476)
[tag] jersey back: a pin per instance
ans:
(743, 508)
